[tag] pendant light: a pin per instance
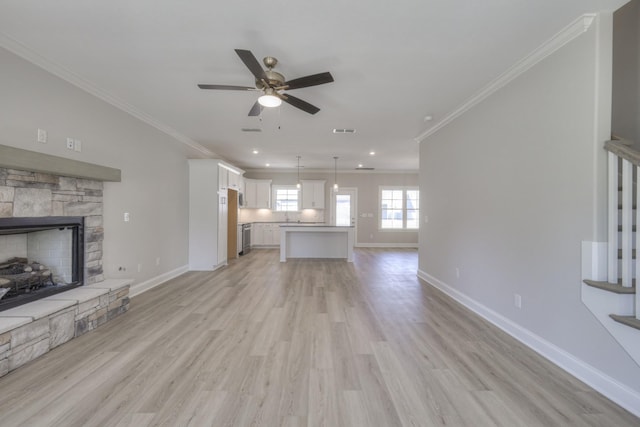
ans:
(298, 185)
(335, 173)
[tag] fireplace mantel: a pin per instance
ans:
(32, 161)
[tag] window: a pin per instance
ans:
(286, 198)
(399, 208)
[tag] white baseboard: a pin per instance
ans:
(609, 387)
(386, 245)
(141, 287)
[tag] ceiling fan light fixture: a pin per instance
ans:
(269, 99)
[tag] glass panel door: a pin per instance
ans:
(344, 207)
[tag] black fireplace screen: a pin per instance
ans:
(39, 257)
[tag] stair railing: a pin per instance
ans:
(621, 153)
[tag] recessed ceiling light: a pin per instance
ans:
(268, 164)
(372, 153)
(359, 165)
(344, 131)
(428, 118)
(255, 151)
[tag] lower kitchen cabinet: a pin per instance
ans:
(265, 234)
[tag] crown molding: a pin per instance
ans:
(570, 32)
(35, 58)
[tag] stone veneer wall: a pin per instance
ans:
(33, 194)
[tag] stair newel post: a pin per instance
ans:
(627, 223)
(612, 250)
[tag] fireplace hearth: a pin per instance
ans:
(39, 257)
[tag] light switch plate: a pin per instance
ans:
(42, 136)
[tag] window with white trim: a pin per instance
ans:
(285, 198)
(399, 208)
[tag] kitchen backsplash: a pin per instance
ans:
(267, 215)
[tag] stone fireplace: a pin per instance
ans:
(33, 208)
(51, 213)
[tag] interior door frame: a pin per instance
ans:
(332, 207)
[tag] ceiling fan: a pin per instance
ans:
(273, 84)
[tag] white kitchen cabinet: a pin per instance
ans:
(313, 194)
(265, 234)
(272, 235)
(257, 193)
(223, 217)
(257, 234)
(228, 178)
(223, 178)
(208, 210)
(234, 181)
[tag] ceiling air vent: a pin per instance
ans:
(251, 130)
(344, 131)
(365, 169)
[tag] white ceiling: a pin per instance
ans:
(394, 62)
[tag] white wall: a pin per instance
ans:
(154, 187)
(367, 232)
(512, 187)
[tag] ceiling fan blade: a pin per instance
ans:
(299, 103)
(225, 87)
(313, 80)
(256, 109)
(252, 64)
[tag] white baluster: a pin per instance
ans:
(612, 256)
(637, 307)
(627, 222)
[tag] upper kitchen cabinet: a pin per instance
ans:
(312, 194)
(257, 193)
(234, 181)
(223, 178)
(229, 177)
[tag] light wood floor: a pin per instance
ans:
(307, 342)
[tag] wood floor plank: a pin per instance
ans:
(301, 343)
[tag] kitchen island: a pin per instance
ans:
(316, 241)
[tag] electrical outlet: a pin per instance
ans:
(126, 217)
(42, 136)
(77, 145)
(70, 143)
(517, 300)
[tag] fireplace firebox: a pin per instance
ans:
(39, 257)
